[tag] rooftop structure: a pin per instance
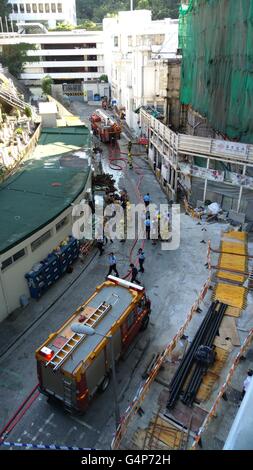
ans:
(68, 57)
(44, 186)
(48, 12)
(138, 54)
(36, 207)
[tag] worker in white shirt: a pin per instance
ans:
(246, 383)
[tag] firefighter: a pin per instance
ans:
(130, 160)
(146, 148)
(134, 273)
(129, 146)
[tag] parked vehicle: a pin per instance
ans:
(105, 127)
(73, 366)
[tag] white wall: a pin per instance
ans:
(35, 71)
(67, 13)
(133, 66)
(12, 279)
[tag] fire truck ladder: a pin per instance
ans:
(74, 340)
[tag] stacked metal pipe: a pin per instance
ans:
(204, 336)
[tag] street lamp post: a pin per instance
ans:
(89, 331)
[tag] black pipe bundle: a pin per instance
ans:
(200, 370)
(204, 336)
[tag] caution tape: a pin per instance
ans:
(42, 446)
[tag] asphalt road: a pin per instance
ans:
(172, 279)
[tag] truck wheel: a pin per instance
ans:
(145, 323)
(104, 384)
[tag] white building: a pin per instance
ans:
(138, 52)
(46, 12)
(68, 57)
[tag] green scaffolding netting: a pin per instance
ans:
(216, 38)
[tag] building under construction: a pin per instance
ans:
(211, 159)
(216, 77)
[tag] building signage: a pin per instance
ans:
(239, 180)
(229, 148)
(212, 175)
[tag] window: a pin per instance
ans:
(47, 9)
(19, 254)
(15, 8)
(22, 8)
(116, 41)
(34, 8)
(130, 41)
(28, 8)
(41, 9)
(7, 262)
(61, 224)
(59, 7)
(53, 7)
(40, 240)
(12, 259)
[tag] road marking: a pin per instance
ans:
(86, 425)
(41, 429)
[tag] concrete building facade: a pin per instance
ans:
(46, 12)
(142, 64)
(68, 57)
(205, 168)
(36, 207)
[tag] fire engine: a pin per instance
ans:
(105, 127)
(73, 366)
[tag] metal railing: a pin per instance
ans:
(23, 154)
(203, 146)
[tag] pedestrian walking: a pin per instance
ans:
(147, 224)
(146, 199)
(134, 273)
(112, 264)
(246, 383)
(154, 231)
(100, 244)
(141, 258)
(130, 160)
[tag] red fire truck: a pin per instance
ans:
(105, 127)
(73, 366)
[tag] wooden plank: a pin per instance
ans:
(182, 414)
(166, 433)
(233, 311)
(228, 330)
(223, 343)
(212, 374)
(206, 386)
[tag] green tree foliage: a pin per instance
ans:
(47, 85)
(103, 78)
(28, 112)
(62, 27)
(5, 8)
(98, 10)
(15, 56)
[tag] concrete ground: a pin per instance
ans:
(172, 279)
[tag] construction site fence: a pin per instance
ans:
(188, 144)
(144, 387)
(212, 412)
(24, 154)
